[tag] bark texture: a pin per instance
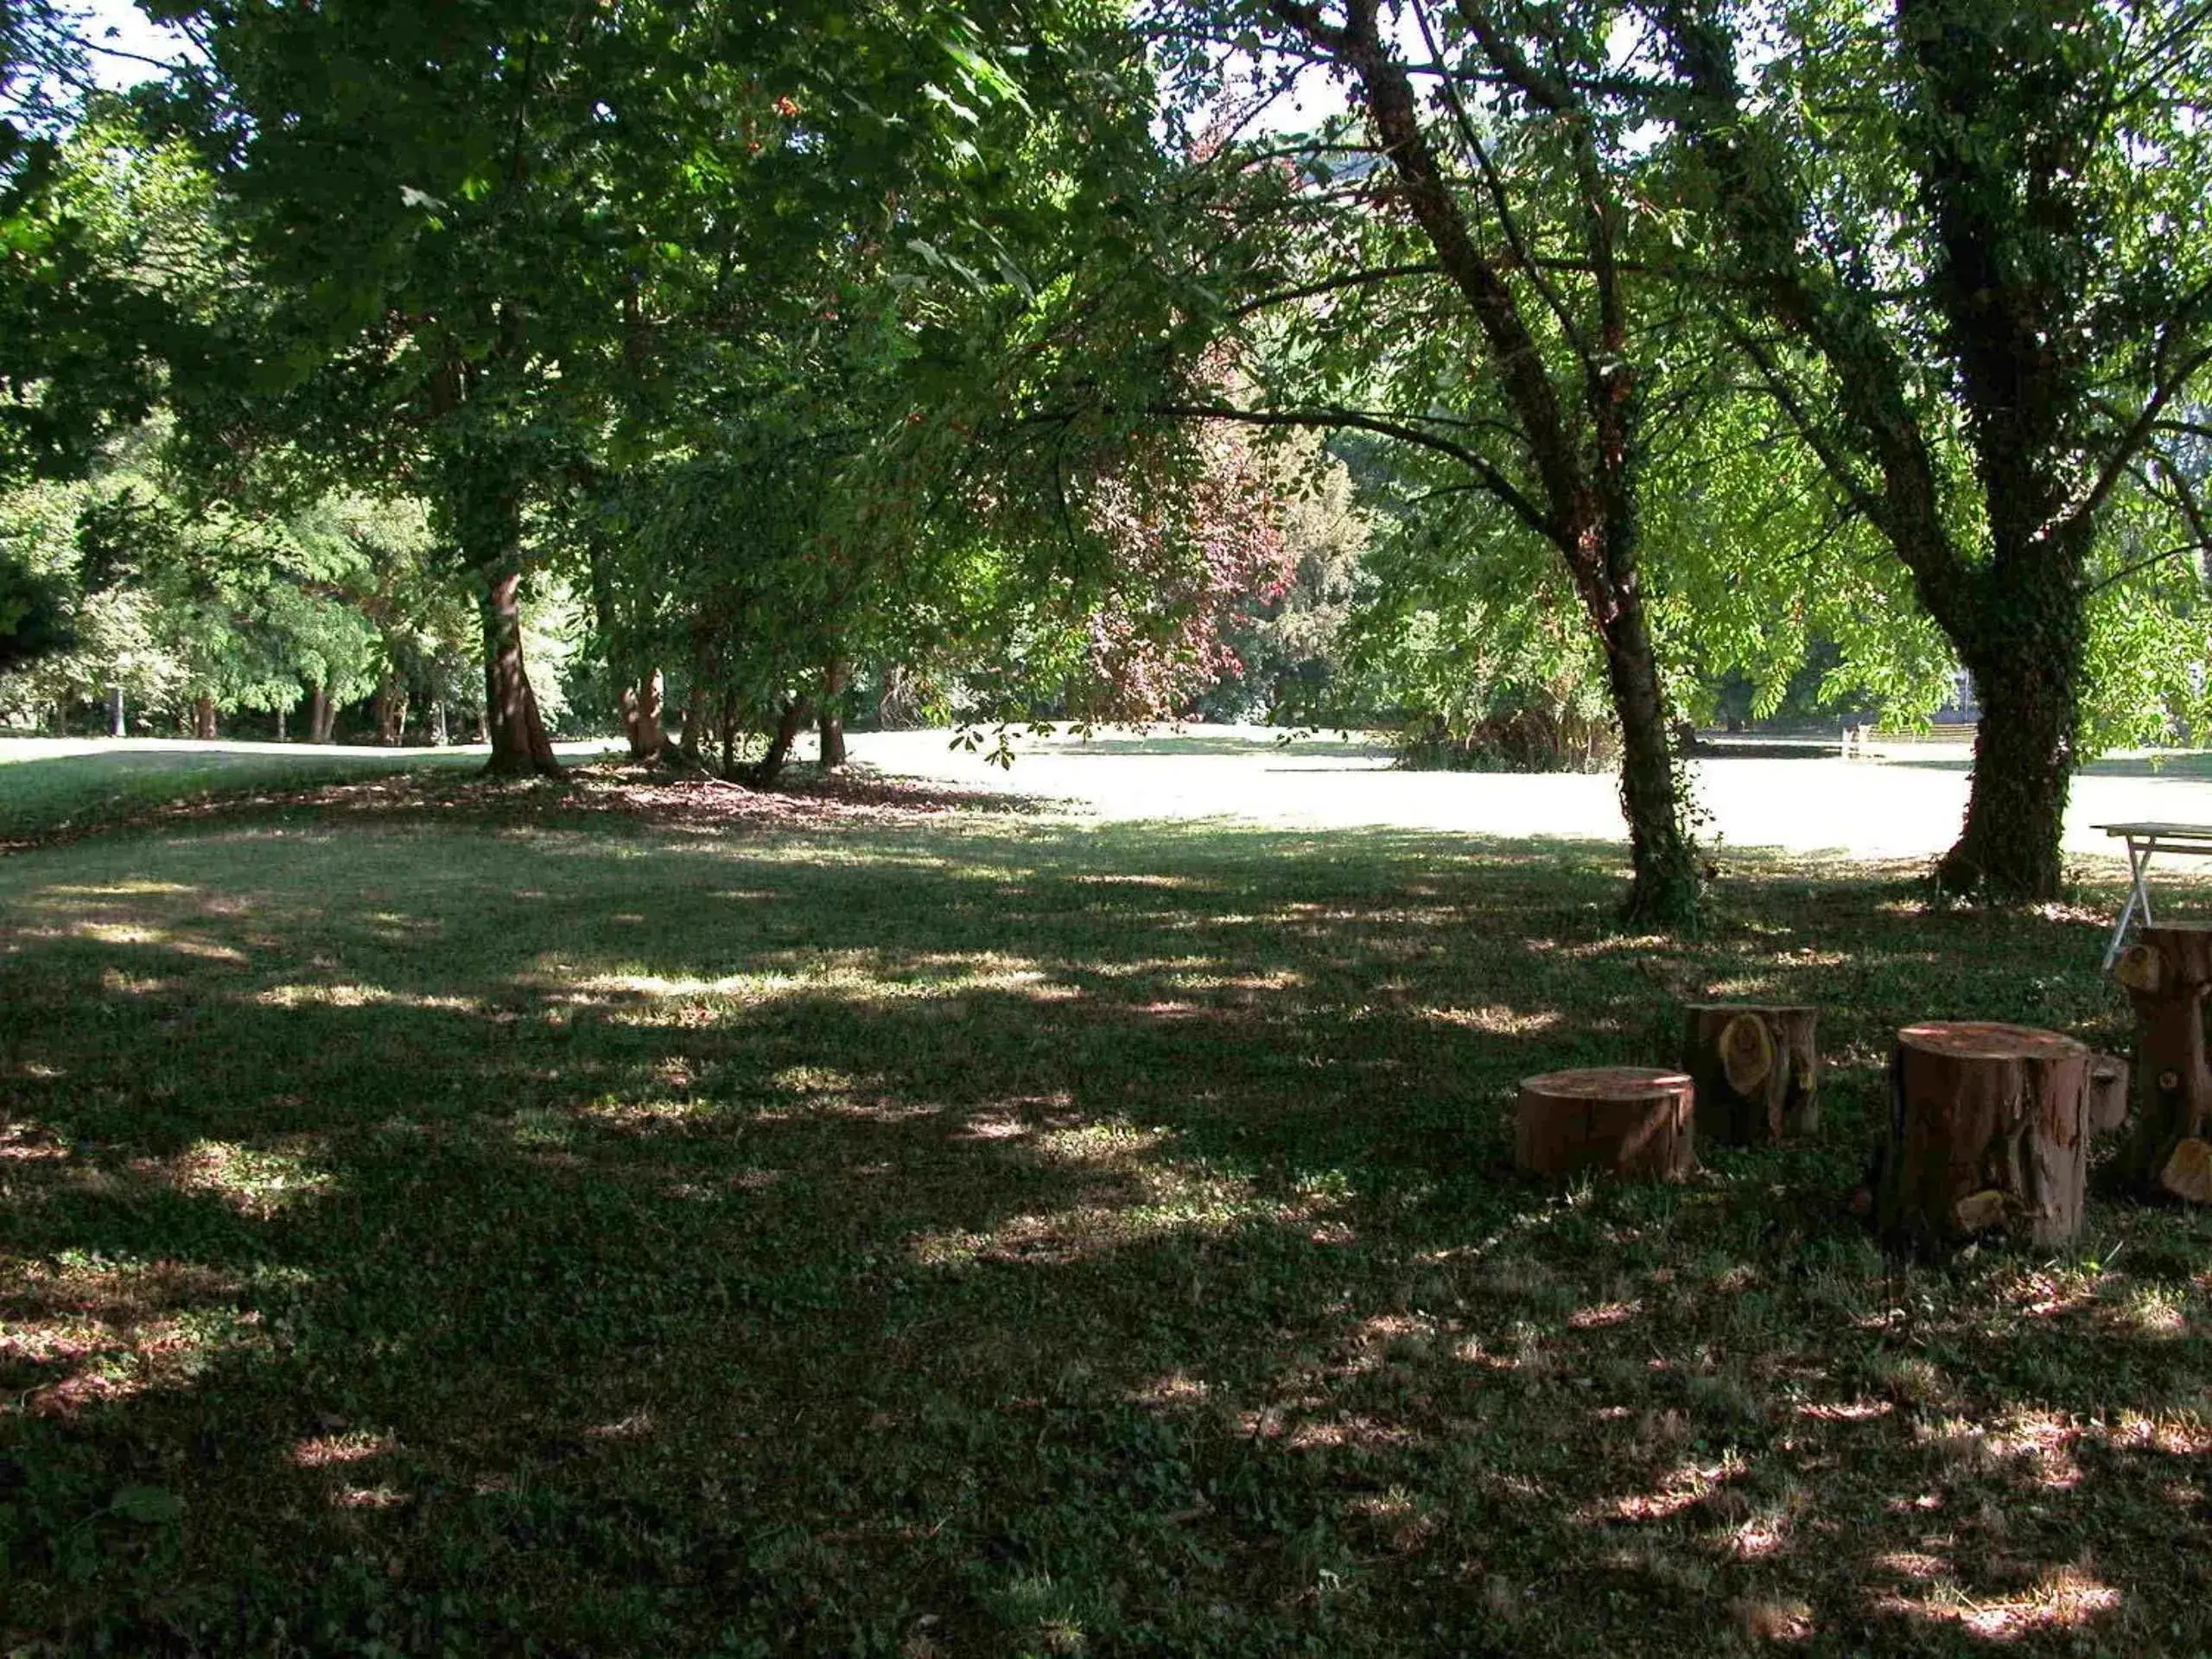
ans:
(1757, 1070)
(1987, 1133)
(1618, 1120)
(519, 743)
(834, 680)
(789, 725)
(641, 716)
(2167, 973)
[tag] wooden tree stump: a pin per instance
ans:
(2107, 1107)
(1622, 1120)
(1758, 1072)
(2167, 972)
(1987, 1133)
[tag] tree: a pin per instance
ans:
(1496, 220)
(1962, 245)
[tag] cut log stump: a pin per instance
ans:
(1619, 1120)
(1987, 1133)
(1758, 1072)
(2167, 973)
(2108, 1079)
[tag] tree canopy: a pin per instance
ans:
(1585, 367)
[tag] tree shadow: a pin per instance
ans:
(968, 1234)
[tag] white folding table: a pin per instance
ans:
(2143, 840)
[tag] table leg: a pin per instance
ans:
(2139, 897)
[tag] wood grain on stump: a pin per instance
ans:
(2167, 972)
(2108, 1079)
(1622, 1120)
(1758, 1072)
(1987, 1133)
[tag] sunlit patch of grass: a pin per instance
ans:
(345, 996)
(256, 1181)
(2063, 1598)
(84, 1331)
(1498, 1019)
(323, 1451)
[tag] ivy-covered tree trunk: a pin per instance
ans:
(2025, 654)
(520, 744)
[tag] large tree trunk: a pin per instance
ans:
(520, 744)
(834, 680)
(322, 715)
(789, 725)
(695, 719)
(115, 723)
(1663, 889)
(641, 716)
(2027, 675)
(203, 719)
(390, 710)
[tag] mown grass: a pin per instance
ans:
(42, 796)
(666, 1221)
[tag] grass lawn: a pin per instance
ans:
(42, 795)
(662, 1220)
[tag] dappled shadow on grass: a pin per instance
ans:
(955, 1233)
